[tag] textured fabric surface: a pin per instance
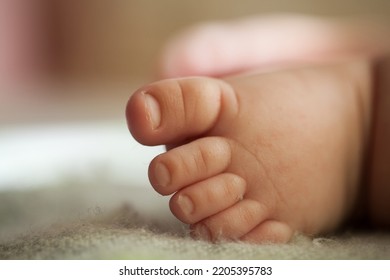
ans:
(98, 222)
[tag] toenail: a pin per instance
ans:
(186, 204)
(202, 232)
(153, 110)
(162, 175)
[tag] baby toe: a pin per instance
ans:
(270, 231)
(189, 164)
(207, 198)
(171, 111)
(232, 223)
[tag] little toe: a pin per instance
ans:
(206, 198)
(189, 164)
(232, 223)
(270, 231)
(168, 111)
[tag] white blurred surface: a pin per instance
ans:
(40, 155)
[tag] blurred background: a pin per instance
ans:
(119, 40)
(67, 68)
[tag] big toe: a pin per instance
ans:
(171, 111)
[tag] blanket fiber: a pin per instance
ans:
(84, 221)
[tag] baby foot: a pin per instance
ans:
(220, 48)
(257, 157)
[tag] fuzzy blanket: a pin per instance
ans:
(79, 221)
